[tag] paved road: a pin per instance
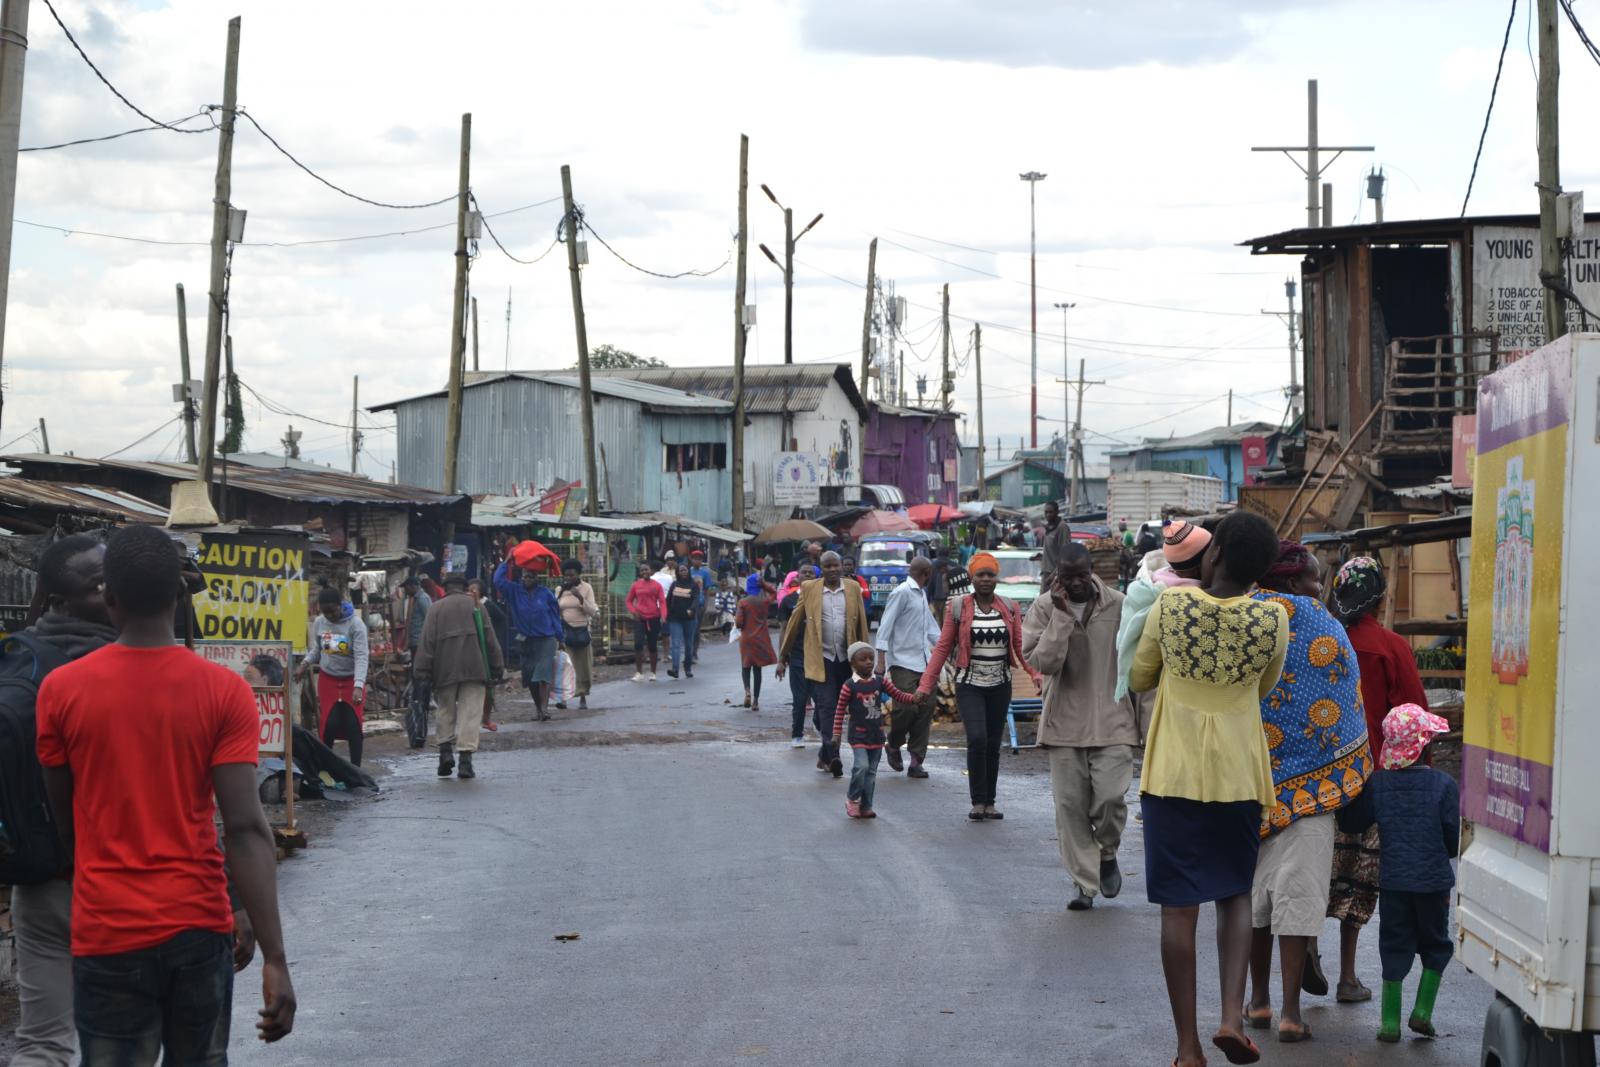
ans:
(730, 913)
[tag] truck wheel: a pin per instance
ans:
(1510, 1040)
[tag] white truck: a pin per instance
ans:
(1528, 891)
(1140, 496)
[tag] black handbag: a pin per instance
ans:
(575, 636)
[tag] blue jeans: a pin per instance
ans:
(799, 693)
(173, 1000)
(682, 633)
(864, 776)
(825, 702)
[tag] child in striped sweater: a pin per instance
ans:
(860, 705)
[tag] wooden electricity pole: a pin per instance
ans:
(591, 470)
(183, 368)
(1555, 305)
(474, 333)
(44, 437)
(13, 54)
(739, 335)
(866, 322)
(355, 427)
(977, 363)
(944, 375)
(458, 315)
(216, 305)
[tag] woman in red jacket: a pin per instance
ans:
(1389, 679)
(648, 605)
(982, 636)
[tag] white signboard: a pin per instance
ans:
(1507, 297)
(796, 479)
(266, 665)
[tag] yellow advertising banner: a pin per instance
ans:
(255, 589)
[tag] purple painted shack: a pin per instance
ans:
(914, 449)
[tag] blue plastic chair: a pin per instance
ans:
(1025, 707)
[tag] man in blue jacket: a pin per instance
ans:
(536, 626)
(702, 575)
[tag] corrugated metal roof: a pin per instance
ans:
(922, 413)
(1217, 435)
(704, 529)
(1390, 231)
(105, 503)
(311, 487)
(656, 396)
(766, 388)
(520, 511)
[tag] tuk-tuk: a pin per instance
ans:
(884, 560)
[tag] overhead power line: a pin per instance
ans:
(283, 409)
(505, 251)
(147, 436)
(1572, 17)
(103, 79)
(173, 126)
(341, 190)
(1494, 91)
(653, 273)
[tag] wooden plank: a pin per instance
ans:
(1451, 674)
(1432, 627)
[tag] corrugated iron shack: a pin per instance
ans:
(1219, 452)
(821, 404)
(657, 448)
(914, 449)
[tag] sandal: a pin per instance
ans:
(1236, 1047)
(1258, 1020)
(1299, 1032)
(976, 816)
(1353, 994)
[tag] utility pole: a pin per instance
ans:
(591, 471)
(1314, 168)
(1550, 269)
(13, 54)
(1066, 394)
(44, 437)
(1076, 469)
(508, 328)
(458, 314)
(790, 239)
(944, 376)
(355, 427)
(1033, 178)
(900, 378)
(739, 333)
(474, 333)
(866, 319)
(221, 202)
(977, 362)
(1294, 390)
(183, 368)
(1230, 407)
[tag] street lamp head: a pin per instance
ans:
(1065, 307)
(768, 253)
(810, 224)
(1033, 176)
(769, 193)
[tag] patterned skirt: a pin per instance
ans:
(1354, 892)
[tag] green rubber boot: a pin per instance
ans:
(1421, 1021)
(1390, 1031)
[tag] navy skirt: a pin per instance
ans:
(1196, 852)
(538, 659)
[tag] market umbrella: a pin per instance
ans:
(532, 556)
(880, 522)
(928, 516)
(793, 530)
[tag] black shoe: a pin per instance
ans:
(1312, 980)
(561, 705)
(418, 744)
(1110, 877)
(916, 771)
(447, 763)
(892, 755)
(837, 767)
(671, 673)
(687, 673)
(466, 770)
(1082, 902)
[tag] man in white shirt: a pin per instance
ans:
(906, 636)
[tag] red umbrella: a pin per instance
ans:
(928, 516)
(532, 556)
(880, 522)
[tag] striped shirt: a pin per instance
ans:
(859, 705)
(990, 663)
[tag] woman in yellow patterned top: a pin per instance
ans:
(1211, 653)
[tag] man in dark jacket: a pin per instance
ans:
(458, 658)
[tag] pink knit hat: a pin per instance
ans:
(1406, 732)
(1183, 541)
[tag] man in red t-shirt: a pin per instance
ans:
(135, 738)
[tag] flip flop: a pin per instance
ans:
(1236, 1047)
(1258, 1020)
(1295, 1036)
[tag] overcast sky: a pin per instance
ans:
(901, 120)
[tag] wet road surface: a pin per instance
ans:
(730, 913)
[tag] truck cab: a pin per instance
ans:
(884, 560)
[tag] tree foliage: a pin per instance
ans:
(610, 357)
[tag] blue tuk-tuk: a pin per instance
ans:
(884, 560)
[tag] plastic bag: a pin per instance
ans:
(566, 678)
(733, 636)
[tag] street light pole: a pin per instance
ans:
(1033, 177)
(790, 239)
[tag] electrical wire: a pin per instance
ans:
(147, 436)
(104, 80)
(173, 126)
(1494, 90)
(1572, 17)
(1173, 415)
(496, 238)
(283, 409)
(67, 231)
(336, 188)
(583, 222)
(14, 440)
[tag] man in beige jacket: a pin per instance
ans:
(1070, 636)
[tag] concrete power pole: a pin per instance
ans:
(216, 305)
(458, 315)
(183, 369)
(977, 363)
(44, 437)
(739, 333)
(355, 426)
(1076, 471)
(944, 376)
(1550, 269)
(866, 322)
(1066, 394)
(1314, 168)
(13, 53)
(1033, 178)
(591, 470)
